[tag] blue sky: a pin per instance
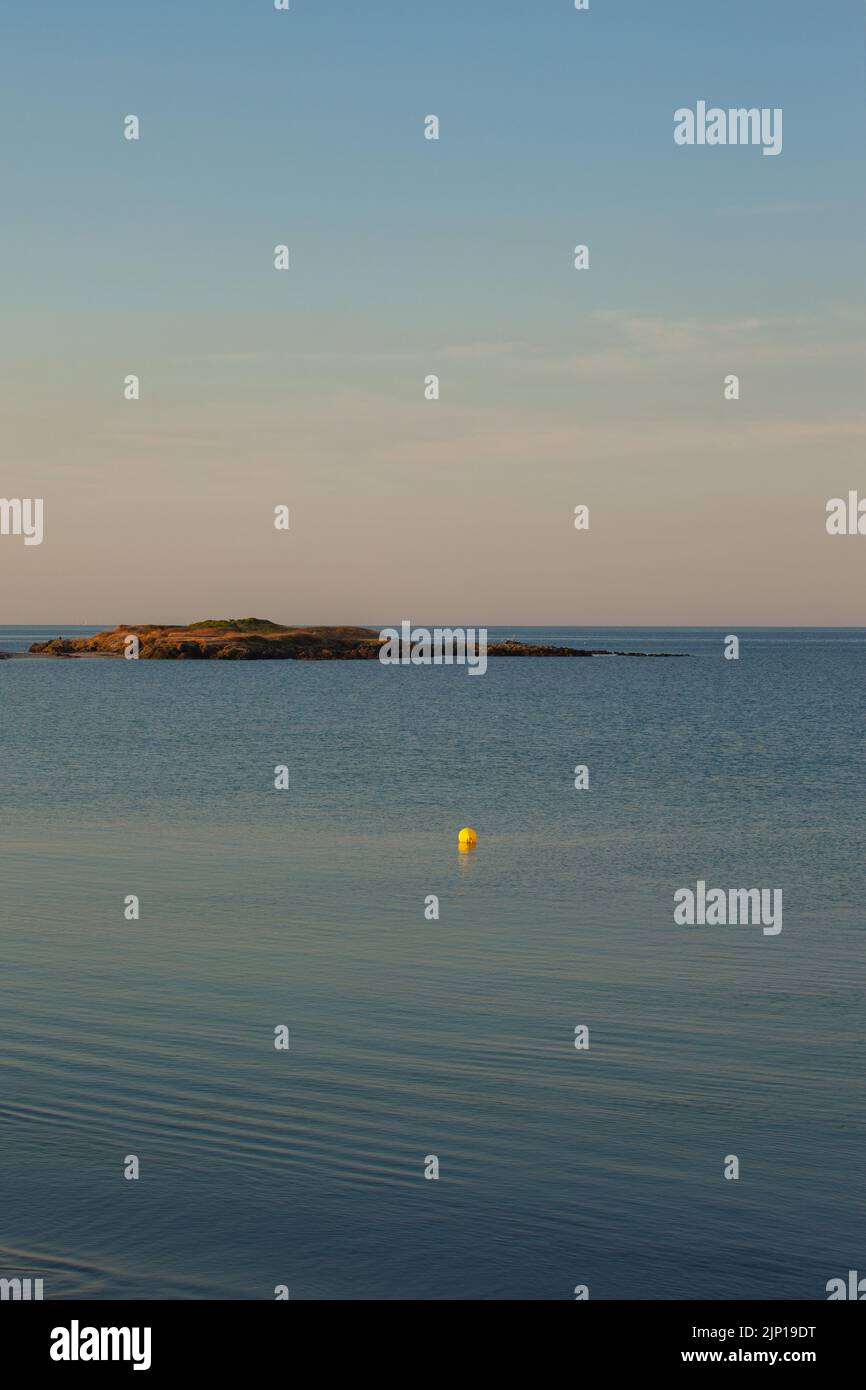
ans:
(553, 120)
(305, 127)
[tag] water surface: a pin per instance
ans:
(411, 1037)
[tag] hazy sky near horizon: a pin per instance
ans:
(411, 257)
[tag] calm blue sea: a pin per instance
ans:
(453, 1037)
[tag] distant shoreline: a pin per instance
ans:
(53, 656)
(257, 639)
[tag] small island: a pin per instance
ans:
(258, 639)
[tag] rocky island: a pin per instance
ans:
(257, 639)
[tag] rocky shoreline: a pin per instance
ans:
(258, 639)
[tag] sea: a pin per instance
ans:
(431, 1000)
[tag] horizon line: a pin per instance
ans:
(628, 627)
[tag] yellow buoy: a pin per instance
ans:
(466, 838)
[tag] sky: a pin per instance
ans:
(411, 257)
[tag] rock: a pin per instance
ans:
(258, 639)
